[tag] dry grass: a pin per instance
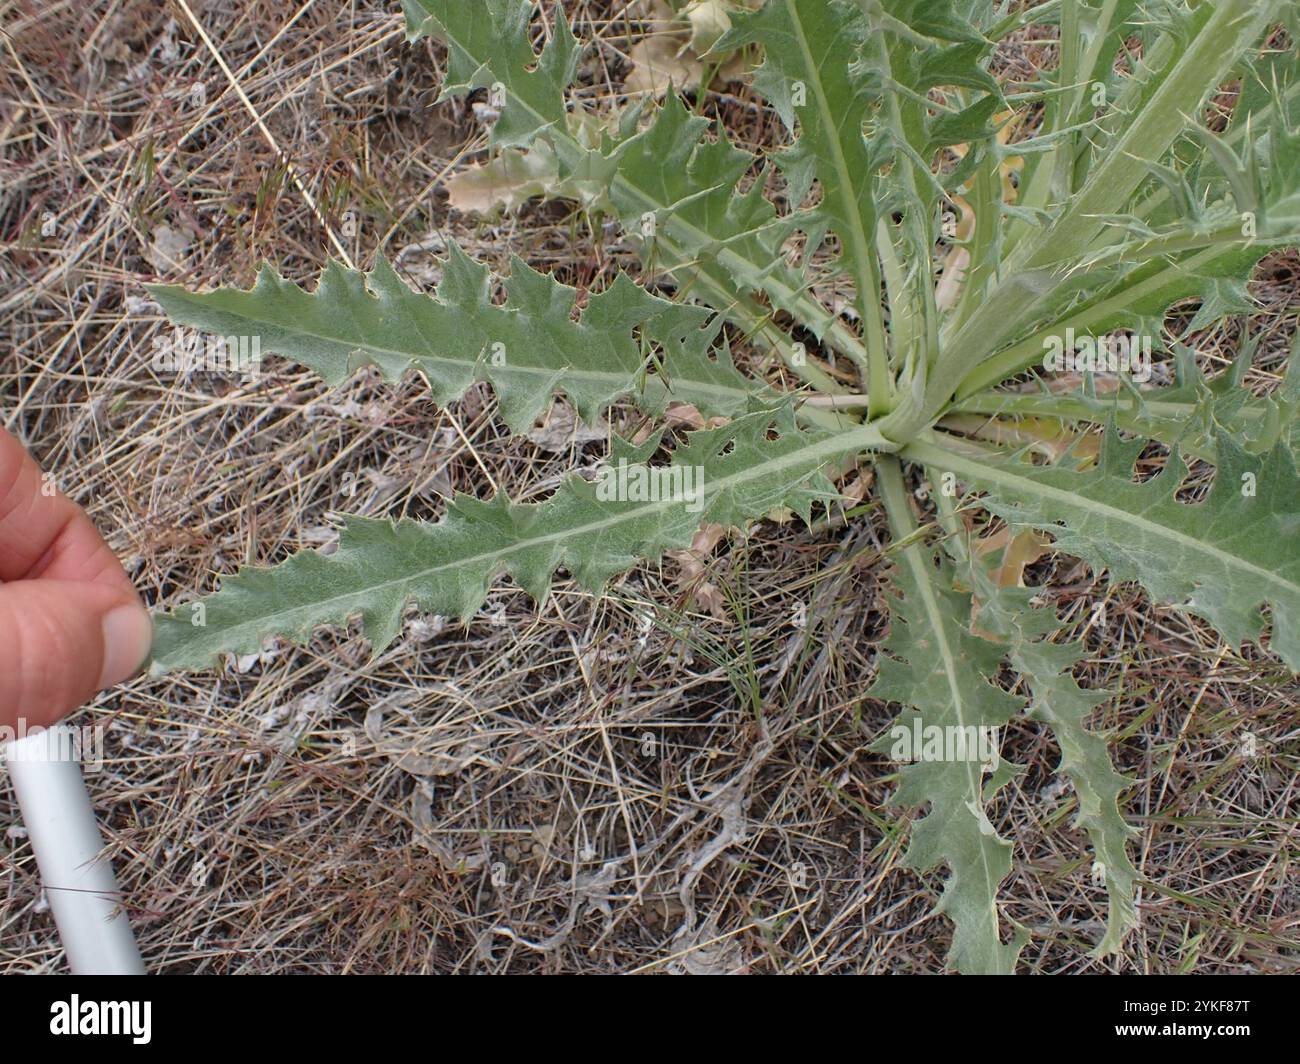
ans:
(618, 785)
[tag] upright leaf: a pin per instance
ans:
(811, 77)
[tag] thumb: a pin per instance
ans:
(61, 641)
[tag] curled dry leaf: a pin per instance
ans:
(1050, 437)
(515, 175)
(506, 183)
(168, 249)
(693, 571)
(1017, 551)
(562, 429)
(676, 51)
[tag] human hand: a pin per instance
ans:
(71, 624)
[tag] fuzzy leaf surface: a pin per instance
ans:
(1009, 615)
(941, 673)
(1222, 558)
(529, 348)
(710, 244)
(743, 469)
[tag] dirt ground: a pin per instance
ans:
(672, 777)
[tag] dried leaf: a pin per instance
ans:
(693, 570)
(562, 430)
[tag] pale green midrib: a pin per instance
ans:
(416, 357)
(1025, 254)
(1184, 239)
(932, 454)
(1076, 407)
(692, 234)
(735, 306)
(746, 315)
(992, 369)
(862, 438)
(935, 614)
(853, 217)
(896, 498)
(1100, 31)
(1098, 185)
(1106, 827)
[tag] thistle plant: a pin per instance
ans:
(988, 239)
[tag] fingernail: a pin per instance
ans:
(128, 635)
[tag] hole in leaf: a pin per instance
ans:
(1196, 484)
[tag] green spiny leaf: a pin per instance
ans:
(531, 86)
(1099, 301)
(1222, 558)
(938, 669)
(1010, 615)
(1048, 271)
(810, 76)
(728, 476)
(1216, 35)
(1190, 414)
(528, 348)
(940, 19)
(704, 239)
